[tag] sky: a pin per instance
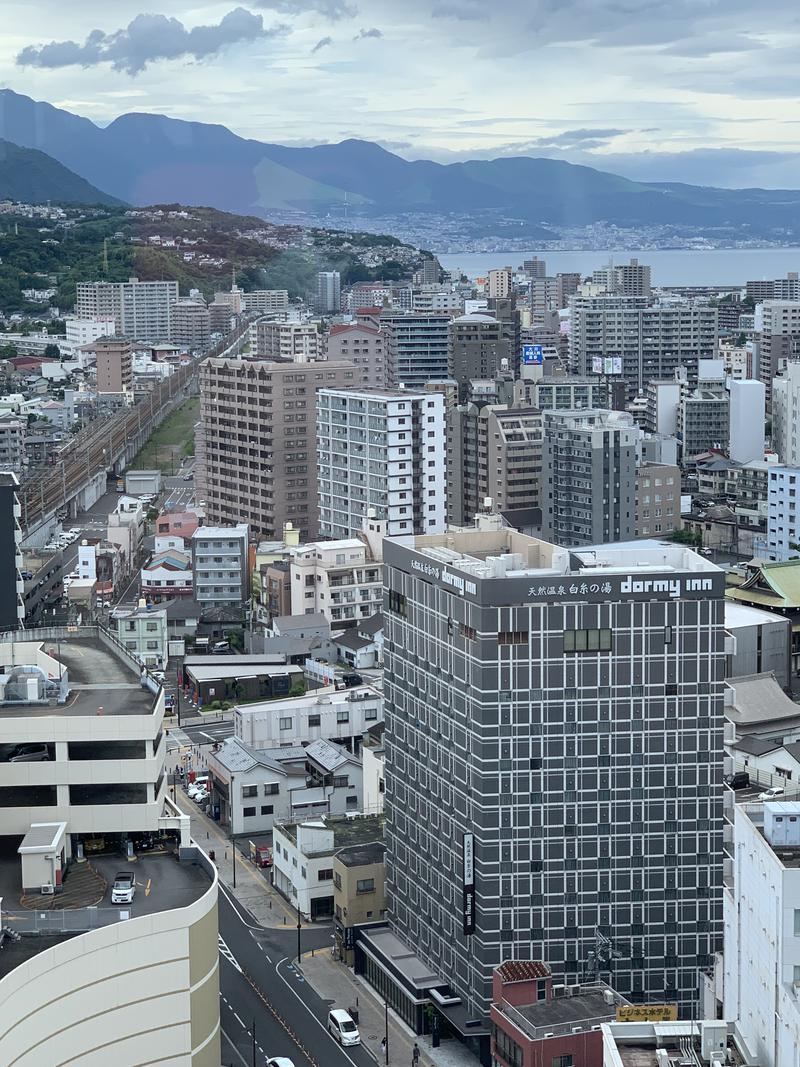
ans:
(701, 91)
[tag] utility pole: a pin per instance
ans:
(386, 1027)
(233, 841)
(298, 930)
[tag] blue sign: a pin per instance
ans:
(533, 354)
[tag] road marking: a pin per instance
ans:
(319, 1022)
(226, 952)
(148, 887)
(235, 1049)
(239, 1021)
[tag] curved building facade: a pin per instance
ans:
(143, 990)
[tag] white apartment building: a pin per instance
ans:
(747, 414)
(783, 514)
(436, 298)
(342, 715)
(380, 450)
(141, 310)
(220, 565)
(295, 341)
(83, 331)
(761, 908)
(786, 414)
(266, 301)
(341, 579)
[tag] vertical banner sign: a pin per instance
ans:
(469, 883)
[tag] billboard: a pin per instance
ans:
(469, 883)
(647, 1013)
(606, 364)
(533, 354)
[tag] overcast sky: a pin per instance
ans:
(703, 91)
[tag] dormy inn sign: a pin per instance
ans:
(593, 587)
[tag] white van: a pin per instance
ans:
(341, 1025)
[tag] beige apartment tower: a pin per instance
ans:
(256, 441)
(114, 356)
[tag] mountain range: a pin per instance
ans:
(34, 177)
(144, 159)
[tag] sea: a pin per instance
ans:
(713, 266)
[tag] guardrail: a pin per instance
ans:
(65, 921)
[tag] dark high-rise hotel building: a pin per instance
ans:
(554, 760)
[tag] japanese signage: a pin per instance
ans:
(606, 365)
(469, 883)
(533, 354)
(587, 587)
(647, 1013)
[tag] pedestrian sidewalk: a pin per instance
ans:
(331, 980)
(335, 982)
(253, 888)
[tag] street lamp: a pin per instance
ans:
(298, 930)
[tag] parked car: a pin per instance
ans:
(771, 794)
(740, 780)
(280, 1061)
(201, 796)
(342, 1027)
(124, 888)
(30, 754)
(197, 786)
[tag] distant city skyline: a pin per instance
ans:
(651, 90)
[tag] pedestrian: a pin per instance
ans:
(383, 1046)
(415, 1055)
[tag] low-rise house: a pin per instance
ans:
(167, 574)
(142, 631)
(343, 716)
(236, 678)
(303, 858)
(757, 706)
(252, 788)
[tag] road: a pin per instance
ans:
(204, 734)
(259, 984)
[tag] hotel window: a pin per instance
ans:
(587, 641)
(512, 637)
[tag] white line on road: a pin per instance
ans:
(235, 1049)
(239, 1021)
(310, 1012)
(235, 905)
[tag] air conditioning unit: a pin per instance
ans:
(574, 990)
(577, 1029)
(47, 890)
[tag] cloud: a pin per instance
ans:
(148, 38)
(363, 35)
(324, 42)
(329, 9)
